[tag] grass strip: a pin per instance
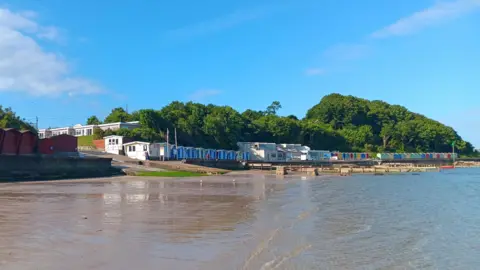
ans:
(169, 174)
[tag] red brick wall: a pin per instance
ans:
(99, 144)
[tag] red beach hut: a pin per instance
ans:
(10, 142)
(64, 143)
(45, 146)
(28, 143)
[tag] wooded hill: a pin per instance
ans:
(344, 123)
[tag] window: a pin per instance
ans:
(109, 141)
(145, 148)
(129, 149)
(116, 141)
(133, 148)
(89, 131)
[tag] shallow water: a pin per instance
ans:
(427, 221)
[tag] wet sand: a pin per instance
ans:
(239, 221)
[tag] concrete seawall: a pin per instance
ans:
(38, 167)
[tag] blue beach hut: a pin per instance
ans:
(180, 152)
(188, 152)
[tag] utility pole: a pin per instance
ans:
(126, 108)
(168, 148)
(176, 145)
(453, 152)
(36, 122)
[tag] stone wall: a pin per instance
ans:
(37, 167)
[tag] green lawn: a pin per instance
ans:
(169, 174)
(85, 141)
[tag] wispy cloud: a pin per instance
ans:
(25, 66)
(436, 14)
(204, 93)
(221, 23)
(314, 71)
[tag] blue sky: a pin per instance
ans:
(65, 60)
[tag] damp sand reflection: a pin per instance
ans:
(427, 221)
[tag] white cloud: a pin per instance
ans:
(204, 93)
(438, 13)
(221, 23)
(27, 67)
(314, 71)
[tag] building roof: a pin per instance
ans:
(113, 136)
(101, 125)
(136, 142)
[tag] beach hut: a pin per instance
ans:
(199, 153)
(65, 143)
(222, 154)
(210, 154)
(180, 152)
(238, 155)
(188, 152)
(11, 141)
(172, 153)
(28, 143)
(2, 135)
(45, 146)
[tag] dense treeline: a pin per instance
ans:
(338, 122)
(8, 119)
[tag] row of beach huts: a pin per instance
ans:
(247, 151)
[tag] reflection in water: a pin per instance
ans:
(362, 222)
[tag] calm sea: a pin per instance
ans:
(426, 221)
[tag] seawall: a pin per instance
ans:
(37, 167)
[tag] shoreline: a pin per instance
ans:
(241, 174)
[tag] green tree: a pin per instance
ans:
(93, 120)
(117, 115)
(273, 108)
(8, 119)
(98, 133)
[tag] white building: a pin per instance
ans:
(81, 130)
(114, 144)
(281, 152)
(138, 150)
(262, 151)
(47, 133)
